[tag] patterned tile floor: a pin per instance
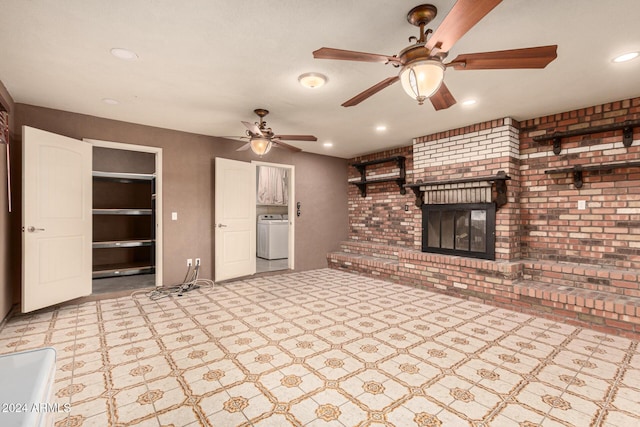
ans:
(327, 348)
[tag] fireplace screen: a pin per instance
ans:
(459, 229)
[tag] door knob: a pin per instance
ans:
(32, 229)
(221, 225)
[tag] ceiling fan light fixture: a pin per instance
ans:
(312, 80)
(260, 145)
(421, 79)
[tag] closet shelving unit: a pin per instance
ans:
(123, 224)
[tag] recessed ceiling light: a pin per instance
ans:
(110, 101)
(626, 57)
(328, 144)
(381, 128)
(469, 102)
(312, 80)
(125, 54)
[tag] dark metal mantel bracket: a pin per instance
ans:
(626, 126)
(500, 179)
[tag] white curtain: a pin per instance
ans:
(272, 186)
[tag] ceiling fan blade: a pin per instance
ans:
(350, 55)
(532, 57)
(245, 147)
(442, 99)
(234, 137)
(281, 144)
(296, 137)
(462, 17)
(253, 128)
(371, 91)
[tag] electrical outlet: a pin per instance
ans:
(197, 261)
(189, 262)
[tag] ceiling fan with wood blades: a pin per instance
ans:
(423, 67)
(261, 138)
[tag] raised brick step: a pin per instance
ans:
(583, 295)
(585, 306)
(584, 276)
(374, 250)
(385, 268)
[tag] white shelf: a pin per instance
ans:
(122, 211)
(124, 176)
(122, 244)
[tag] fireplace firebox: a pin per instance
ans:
(465, 229)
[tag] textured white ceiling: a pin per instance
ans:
(205, 65)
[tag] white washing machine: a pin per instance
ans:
(273, 236)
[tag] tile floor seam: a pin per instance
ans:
(109, 385)
(549, 358)
(66, 418)
(166, 357)
(130, 343)
(603, 412)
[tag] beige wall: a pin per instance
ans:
(6, 295)
(188, 187)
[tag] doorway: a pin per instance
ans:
(236, 218)
(275, 213)
(127, 217)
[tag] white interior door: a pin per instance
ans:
(235, 219)
(56, 219)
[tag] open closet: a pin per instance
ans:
(124, 218)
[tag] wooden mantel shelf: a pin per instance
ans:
(399, 179)
(500, 179)
(579, 169)
(626, 126)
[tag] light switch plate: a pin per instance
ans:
(174, 216)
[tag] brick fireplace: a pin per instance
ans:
(461, 166)
(560, 251)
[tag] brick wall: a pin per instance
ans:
(607, 232)
(478, 150)
(380, 217)
(477, 146)
(541, 219)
